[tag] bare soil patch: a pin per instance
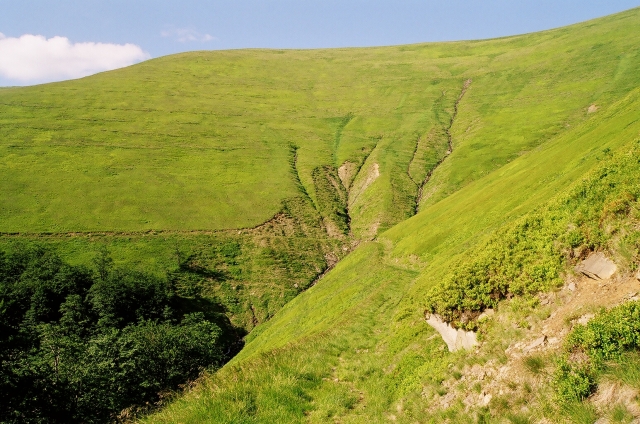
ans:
(347, 173)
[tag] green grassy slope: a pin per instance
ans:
(355, 347)
(196, 141)
(468, 217)
(203, 140)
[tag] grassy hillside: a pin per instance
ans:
(528, 149)
(203, 140)
(248, 174)
(200, 140)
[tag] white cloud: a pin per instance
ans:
(34, 58)
(184, 35)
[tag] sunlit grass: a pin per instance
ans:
(362, 325)
(204, 141)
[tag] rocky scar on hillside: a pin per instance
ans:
(597, 266)
(455, 339)
(513, 370)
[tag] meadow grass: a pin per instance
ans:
(202, 140)
(522, 138)
(223, 140)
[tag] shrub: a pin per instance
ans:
(606, 337)
(574, 382)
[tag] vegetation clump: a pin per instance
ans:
(332, 198)
(78, 345)
(589, 347)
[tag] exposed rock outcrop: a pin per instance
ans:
(347, 173)
(597, 266)
(455, 339)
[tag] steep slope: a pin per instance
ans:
(203, 140)
(162, 161)
(543, 112)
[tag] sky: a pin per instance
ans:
(47, 40)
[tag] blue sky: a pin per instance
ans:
(157, 28)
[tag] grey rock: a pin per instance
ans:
(455, 339)
(486, 398)
(486, 314)
(597, 266)
(584, 318)
(540, 341)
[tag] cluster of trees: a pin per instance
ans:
(93, 345)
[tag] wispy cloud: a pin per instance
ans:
(185, 35)
(34, 58)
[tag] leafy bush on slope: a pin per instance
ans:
(606, 337)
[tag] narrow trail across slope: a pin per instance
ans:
(276, 219)
(427, 178)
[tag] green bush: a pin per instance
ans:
(574, 382)
(604, 338)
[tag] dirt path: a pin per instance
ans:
(279, 220)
